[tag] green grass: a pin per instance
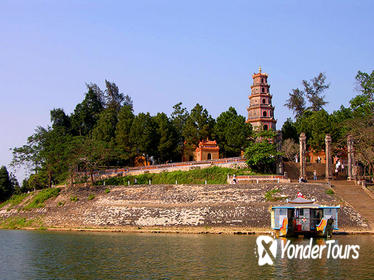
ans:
(330, 192)
(213, 175)
(14, 200)
(21, 222)
(38, 201)
(91, 196)
(269, 195)
(16, 223)
(74, 198)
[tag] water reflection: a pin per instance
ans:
(48, 255)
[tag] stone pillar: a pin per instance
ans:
(302, 139)
(351, 159)
(328, 157)
(279, 163)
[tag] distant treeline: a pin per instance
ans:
(103, 131)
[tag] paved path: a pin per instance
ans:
(356, 197)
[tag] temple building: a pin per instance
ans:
(206, 150)
(260, 110)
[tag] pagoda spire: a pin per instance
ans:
(261, 110)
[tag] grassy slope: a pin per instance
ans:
(213, 175)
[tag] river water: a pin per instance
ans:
(65, 255)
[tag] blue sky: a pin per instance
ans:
(164, 52)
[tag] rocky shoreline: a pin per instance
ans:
(221, 209)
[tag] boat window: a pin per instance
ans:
(327, 212)
(276, 218)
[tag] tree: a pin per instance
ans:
(87, 113)
(125, 119)
(296, 102)
(366, 84)
(89, 155)
(313, 91)
(113, 98)
(168, 140)
(60, 120)
(362, 130)
(231, 132)
(363, 104)
(290, 149)
(199, 125)
(289, 130)
(178, 119)
(315, 125)
(338, 126)
(6, 187)
(106, 125)
(361, 125)
(29, 154)
(262, 153)
(46, 151)
(143, 136)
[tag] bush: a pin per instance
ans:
(330, 192)
(91, 196)
(38, 201)
(107, 190)
(269, 195)
(74, 198)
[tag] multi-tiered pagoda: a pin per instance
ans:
(260, 110)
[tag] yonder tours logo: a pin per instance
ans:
(267, 250)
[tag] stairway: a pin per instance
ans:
(356, 197)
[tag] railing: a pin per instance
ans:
(258, 178)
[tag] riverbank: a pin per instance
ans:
(215, 209)
(184, 230)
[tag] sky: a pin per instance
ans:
(164, 52)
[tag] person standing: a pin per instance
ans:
(315, 175)
(234, 179)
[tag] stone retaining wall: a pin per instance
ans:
(177, 205)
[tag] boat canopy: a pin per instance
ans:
(301, 202)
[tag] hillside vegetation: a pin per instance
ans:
(212, 175)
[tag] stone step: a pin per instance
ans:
(357, 197)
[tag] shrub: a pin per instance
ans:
(269, 195)
(38, 201)
(107, 190)
(91, 196)
(74, 198)
(330, 192)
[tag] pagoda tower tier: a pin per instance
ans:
(260, 110)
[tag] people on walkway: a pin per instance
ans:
(315, 175)
(234, 179)
(302, 180)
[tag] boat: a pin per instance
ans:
(304, 217)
